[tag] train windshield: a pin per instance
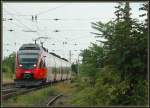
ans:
(28, 61)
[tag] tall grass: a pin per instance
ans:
(8, 77)
(34, 98)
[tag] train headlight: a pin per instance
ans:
(34, 65)
(20, 65)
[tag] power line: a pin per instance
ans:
(17, 14)
(17, 19)
(51, 9)
(63, 19)
(22, 23)
(78, 38)
(80, 30)
(28, 27)
(45, 32)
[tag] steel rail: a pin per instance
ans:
(51, 101)
(23, 91)
(8, 84)
(4, 91)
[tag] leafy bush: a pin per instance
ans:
(115, 73)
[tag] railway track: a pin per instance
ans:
(5, 91)
(8, 86)
(53, 100)
(5, 84)
(9, 92)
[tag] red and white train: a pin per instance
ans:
(35, 66)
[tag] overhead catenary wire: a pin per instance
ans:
(45, 32)
(65, 19)
(80, 37)
(13, 14)
(30, 28)
(77, 38)
(27, 27)
(16, 25)
(55, 30)
(69, 19)
(22, 23)
(52, 9)
(68, 30)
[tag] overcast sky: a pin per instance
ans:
(74, 26)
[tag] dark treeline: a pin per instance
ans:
(115, 72)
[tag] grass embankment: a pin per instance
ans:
(64, 87)
(34, 98)
(40, 97)
(7, 78)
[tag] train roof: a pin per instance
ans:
(64, 59)
(31, 46)
(58, 56)
(54, 54)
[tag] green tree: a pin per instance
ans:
(74, 68)
(8, 64)
(126, 47)
(92, 61)
(118, 68)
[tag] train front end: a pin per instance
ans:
(27, 69)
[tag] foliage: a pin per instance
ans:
(8, 64)
(115, 73)
(8, 68)
(74, 68)
(36, 98)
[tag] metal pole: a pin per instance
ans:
(78, 64)
(70, 56)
